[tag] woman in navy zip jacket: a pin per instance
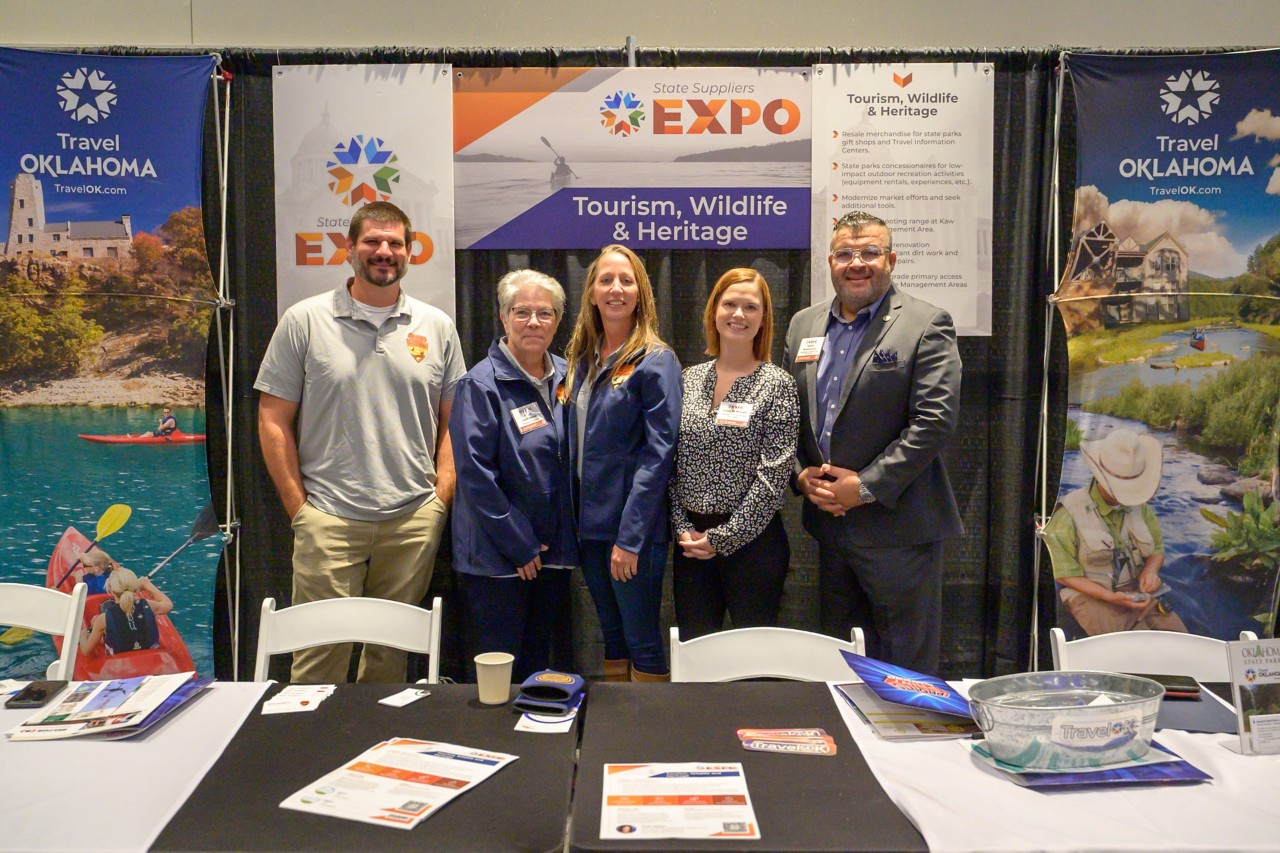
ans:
(625, 386)
(513, 524)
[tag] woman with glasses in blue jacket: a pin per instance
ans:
(513, 524)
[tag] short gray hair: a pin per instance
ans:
(858, 220)
(511, 283)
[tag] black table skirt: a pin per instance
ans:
(801, 802)
(237, 805)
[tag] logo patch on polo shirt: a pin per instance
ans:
(417, 346)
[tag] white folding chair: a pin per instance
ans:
(50, 611)
(763, 653)
(1156, 652)
(349, 620)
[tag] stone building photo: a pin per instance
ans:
(1137, 282)
(30, 233)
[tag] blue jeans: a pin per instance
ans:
(630, 613)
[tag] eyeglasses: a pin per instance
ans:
(869, 254)
(524, 315)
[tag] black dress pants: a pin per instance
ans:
(747, 583)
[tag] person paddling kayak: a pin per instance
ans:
(167, 425)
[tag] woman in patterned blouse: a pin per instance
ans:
(737, 446)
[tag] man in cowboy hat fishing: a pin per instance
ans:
(1105, 542)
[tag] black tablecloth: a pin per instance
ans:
(801, 802)
(237, 805)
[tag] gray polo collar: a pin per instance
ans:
(344, 304)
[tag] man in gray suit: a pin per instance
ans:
(879, 378)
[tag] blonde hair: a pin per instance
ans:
(97, 559)
(123, 586)
(588, 329)
(763, 343)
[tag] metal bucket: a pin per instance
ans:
(1062, 720)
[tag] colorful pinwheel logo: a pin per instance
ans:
(361, 170)
(622, 113)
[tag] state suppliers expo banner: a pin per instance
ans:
(912, 144)
(1171, 301)
(672, 158)
(105, 303)
(347, 135)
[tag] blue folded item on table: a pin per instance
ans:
(549, 692)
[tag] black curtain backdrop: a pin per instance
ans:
(989, 572)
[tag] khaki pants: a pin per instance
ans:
(1101, 617)
(340, 557)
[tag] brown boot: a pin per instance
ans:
(617, 670)
(637, 675)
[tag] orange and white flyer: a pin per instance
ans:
(687, 800)
(400, 782)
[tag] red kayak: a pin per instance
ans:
(172, 438)
(172, 656)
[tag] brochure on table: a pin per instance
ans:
(399, 782)
(903, 686)
(116, 708)
(687, 800)
(1158, 766)
(1255, 684)
(902, 722)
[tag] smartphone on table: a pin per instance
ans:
(37, 694)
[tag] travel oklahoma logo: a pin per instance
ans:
(1189, 97)
(361, 170)
(86, 95)
(621, 113)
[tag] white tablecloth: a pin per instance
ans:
(958, 804)
(79, 794)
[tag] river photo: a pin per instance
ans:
(1207, 393)
(51, 479)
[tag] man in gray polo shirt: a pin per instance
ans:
(356, 387)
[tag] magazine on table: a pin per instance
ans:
(902, 686)
(902, 722)
(1159, 766)
(117, 708)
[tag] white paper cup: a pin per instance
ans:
(493, 676)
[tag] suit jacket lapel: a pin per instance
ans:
(876, 331)
(818, 329)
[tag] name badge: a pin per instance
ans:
(528, 418)
(734, 414)
(810, 349)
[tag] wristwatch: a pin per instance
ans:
(865, 494)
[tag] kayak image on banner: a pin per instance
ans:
(106, 299)
(1170, 296)
(177, 436)
(675, 158)
(124, 638)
